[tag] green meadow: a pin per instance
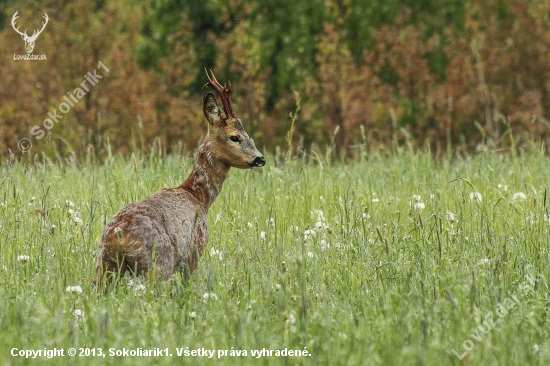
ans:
(398, 258)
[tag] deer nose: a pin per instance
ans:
(259, 161)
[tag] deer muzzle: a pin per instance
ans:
(258, 162)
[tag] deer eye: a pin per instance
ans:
(234, 139)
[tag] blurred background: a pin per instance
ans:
(453, 74)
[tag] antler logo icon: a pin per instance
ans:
(29, 41)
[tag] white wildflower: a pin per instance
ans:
(209, 295)
(79, 314)
(416, 202)
(69, 203)
(519, 196)
(484, 261)
(263, 235)
(277, 287)
(290, 319)
(324, 245)
(475, 197)
(310, 255)
(74, 289)
(33, 198)
(308, 234)
(250, 225)
(75, 215)
(139, 288)
(270, 222)
(320, 215)
(503, 187)
(291, 322)
(375, 200)
(23, 258)
(216, 253)
(320, 225)
(193, 315)
(451, 217)
(366, 216)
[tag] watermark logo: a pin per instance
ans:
(29, 40)
(490, 321)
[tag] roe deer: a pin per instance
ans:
(167, 231)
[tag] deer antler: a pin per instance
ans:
(35, 34)
(224, 93)
(25, 36)
(13, 20)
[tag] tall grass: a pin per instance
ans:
(389, 261)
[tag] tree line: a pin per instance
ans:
(305, 74)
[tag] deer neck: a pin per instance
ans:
(206, 180)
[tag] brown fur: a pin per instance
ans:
(168, 231)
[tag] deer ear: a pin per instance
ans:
(211, 109)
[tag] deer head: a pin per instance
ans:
(229, 143)
(29, 41)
